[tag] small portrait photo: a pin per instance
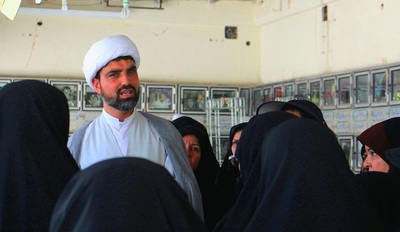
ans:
(160, 99)
(92, 100)
(193, 100)
(71, 92)
(224, 96)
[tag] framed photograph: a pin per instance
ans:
(257, 99)
(329, 92)
(71, 90)
(344, 91)
(224, 95)
(394, 84)
(301, 91)
(277, 92)
(245, 93)
(160, 98)
(362, 89)
(315, 92)
(91, 99)
(346, 142)
(140, 104)
(193, 100)
(379, 87)
(4, 82)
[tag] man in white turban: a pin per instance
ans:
(110, 67)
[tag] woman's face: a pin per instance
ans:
(373, 162)
(235, 140)
(193, 150)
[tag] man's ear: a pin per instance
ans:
(96, 85)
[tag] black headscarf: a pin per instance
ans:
(393, 156)
(248, 152)
(306, 183)
(226, 181)
(35, 163)
(307, 108)
(207, 170)
(124, 194)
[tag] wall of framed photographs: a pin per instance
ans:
(164, 100)
(351, 102)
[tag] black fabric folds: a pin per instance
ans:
(124, 194)
(248, 152)
(383, 191)
(306, 183)
(35, 163)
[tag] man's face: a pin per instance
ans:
(119, 84)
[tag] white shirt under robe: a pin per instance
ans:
(134, 137)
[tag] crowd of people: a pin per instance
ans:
(132, 171)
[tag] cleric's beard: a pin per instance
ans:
(124, 104)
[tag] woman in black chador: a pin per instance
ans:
(35, 163)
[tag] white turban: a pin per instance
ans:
(106, 50)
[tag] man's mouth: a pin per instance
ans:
(126, 92)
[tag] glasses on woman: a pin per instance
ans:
(234, 161)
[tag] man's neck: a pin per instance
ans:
(121, 115)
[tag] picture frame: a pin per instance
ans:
(224, 94)
(329, 86)
(161, 98)
(394, 85)
(257, 99)
(72, 91)
(301, 91)
(245, 93)
(4, 82)
(193, 100)
(362, 92)
(344, 91)
(315, 92)
(140, 104)
(92, 101)
(379, 81)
